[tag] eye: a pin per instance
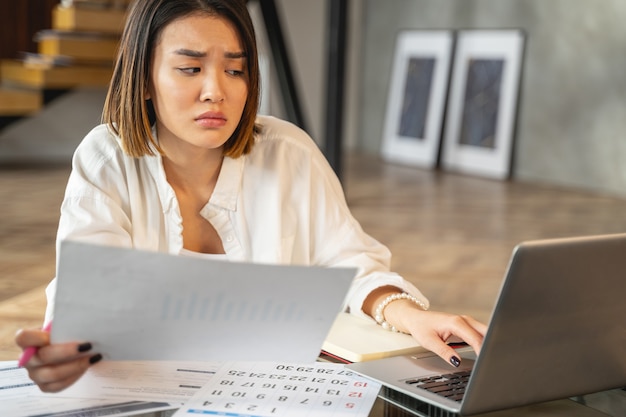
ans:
(235, 73)
(189, 70)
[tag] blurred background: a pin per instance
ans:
(571, 120)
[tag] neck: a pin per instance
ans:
(193, 172)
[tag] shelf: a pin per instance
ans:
(80, 46)
(101, 4)
(88, 20)
(42, 76)
(19, 102)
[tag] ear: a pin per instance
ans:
(148, 96)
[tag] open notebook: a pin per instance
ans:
(355, 339)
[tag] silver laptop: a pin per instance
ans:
(558, 330)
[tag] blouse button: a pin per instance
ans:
(229, 238)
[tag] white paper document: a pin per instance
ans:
(136, 305)
(14, 381)
(245, 389)
(170, 381)
(20, 397)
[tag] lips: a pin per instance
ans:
(211, 119)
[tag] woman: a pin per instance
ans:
(183, 165)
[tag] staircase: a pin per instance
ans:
(77, 52)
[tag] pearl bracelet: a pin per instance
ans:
(379, 315)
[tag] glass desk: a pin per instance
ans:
(389, 404)
(610, 403)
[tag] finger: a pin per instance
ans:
(58, 386)
(59, 353)
(477, 325)
(31, 337)
(461, 327)
(434, 343)
(56, 378)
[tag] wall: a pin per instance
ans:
(572, 117)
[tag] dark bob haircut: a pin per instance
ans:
(129, 114)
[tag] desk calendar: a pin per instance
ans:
(264, 389)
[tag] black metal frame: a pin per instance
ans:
(337, 23)
(286, 81)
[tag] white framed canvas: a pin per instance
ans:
(482, 106)
(417, 96)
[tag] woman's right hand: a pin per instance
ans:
(55, 367)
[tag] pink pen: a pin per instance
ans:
(31, 350)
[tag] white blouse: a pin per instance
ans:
(280, 204)
(211, 256)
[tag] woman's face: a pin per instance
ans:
(198, 83)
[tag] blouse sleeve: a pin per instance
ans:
(339, 240)
(93, 210)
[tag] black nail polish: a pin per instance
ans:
(95, 358)
(84, 347)
(456, 362)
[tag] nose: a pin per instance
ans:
(212, 88)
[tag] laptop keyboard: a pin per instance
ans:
(451, 385)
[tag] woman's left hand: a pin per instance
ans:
(434, 330)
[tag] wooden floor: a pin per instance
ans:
(450, 234)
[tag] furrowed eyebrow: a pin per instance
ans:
(235, 55)
(190, 53)
(197, 54)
